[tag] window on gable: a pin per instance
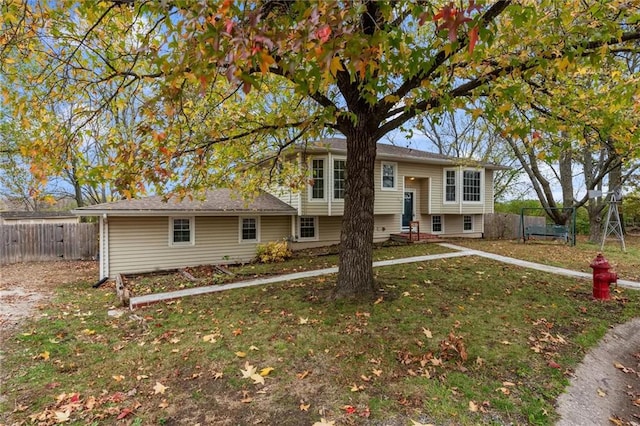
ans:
(182, 231)
(467, 223)
(307, 227)
(317, 173)
(339, 176)
(436, 224)
(388, 176)
(471, 185)
(450, 185)
(249, 229)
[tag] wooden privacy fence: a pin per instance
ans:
(47, 241)
(507, 225)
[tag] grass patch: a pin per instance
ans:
(462, 340)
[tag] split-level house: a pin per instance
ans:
(441, 195)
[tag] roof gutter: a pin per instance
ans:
(141, 213)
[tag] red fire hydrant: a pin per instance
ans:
(602, 278)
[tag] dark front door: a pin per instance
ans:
(407, 212)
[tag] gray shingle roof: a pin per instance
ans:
(220, 202)
(397, 153)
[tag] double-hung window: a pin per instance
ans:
(339, 178)
(467, 223)
(308, 228)
(249, 229)
(317, 173)
(471, 188)
(450, 186)
(436, 224)
(389, 176)
(181, 231)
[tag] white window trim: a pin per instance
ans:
(395, 176)
(257, 239)
(444, 185)
(481, 201)
(316, 225)
(472, 223)
(326, 169)
(441, 224)
(192, 231)
(333, 178)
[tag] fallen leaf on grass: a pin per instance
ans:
(554, 364)
(304, 407)
(303, 321)
(265, 371)
(118, 378)
(473, 407)
(124, 413)
(616, 421)
(356, 388)
(62, 416)
(504, 390)
(249, 370)
(427, 333)
(159, 388)
(324, 422)
(376, 372)
(163, 404)
(349, 409)
(209, 338)
(601, 393)
(257, 379)
(378, 300)
(415, 423)
(43, 356)
(302, 375)
(240, 354)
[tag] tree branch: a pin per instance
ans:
(467, 88)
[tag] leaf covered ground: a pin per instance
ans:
(457, 341)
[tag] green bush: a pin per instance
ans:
(274, 251)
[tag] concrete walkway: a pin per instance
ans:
(139, 301)
(536, 266)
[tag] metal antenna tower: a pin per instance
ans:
(613, 225)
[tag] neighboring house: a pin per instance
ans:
(149, 234)
(446, 196)
(24, 217)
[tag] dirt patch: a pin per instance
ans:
(26, 286)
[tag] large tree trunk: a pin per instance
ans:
(355, 275)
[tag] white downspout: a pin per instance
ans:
(104, 246)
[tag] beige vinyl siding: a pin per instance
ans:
(286, 195)
(387, 201)
(385, 225)
(275, 228)
(141, 244)
(329, 228)
(337, 207)
(452, 225)
(488, 191)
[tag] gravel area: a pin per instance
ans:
(24, 287)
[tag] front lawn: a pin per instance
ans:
(461, 341)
